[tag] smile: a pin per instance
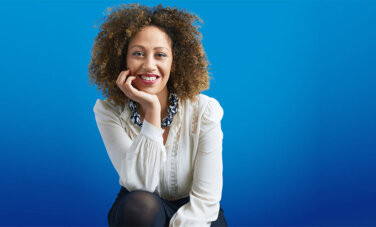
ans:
(149, 78)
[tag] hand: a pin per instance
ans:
(124, 82)
(149, 103)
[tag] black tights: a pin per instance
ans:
(142, 208)
(139, 208)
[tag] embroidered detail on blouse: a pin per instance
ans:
(174, 163)
(174, 144)
(195, 117)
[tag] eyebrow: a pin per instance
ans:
(142, 47)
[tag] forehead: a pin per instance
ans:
(151, 36)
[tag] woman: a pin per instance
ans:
(163, 137)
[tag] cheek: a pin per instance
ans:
(167, 67)
(132, 65)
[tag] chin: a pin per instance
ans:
(149, 91)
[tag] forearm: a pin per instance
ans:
(141, 167)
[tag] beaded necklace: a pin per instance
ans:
(171, 111)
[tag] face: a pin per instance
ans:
(149, 58)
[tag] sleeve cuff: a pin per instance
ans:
(152, 132)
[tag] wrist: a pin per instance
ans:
(153, 115)
(154, 107)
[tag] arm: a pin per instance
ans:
(137, 162)
(206, 191)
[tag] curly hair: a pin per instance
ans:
(189, 71)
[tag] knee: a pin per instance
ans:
(141, 200)
(139, 206)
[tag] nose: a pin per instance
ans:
(149, 64)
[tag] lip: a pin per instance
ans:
(148, 82)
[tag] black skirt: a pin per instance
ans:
(170, 208)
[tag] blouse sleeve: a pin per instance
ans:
(206, 192)
(137, 162)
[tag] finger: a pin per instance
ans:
(131, 90)
(129, 86)
(130, 79)
(122, 77)
(121, 82)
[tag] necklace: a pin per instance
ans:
(171, 111)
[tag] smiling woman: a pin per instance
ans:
(162, 135)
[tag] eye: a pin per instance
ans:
(161, 55)
(138, 54)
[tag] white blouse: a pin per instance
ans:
(189, 164)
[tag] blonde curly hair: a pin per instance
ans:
(189, 71)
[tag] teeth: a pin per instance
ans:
(149, 78)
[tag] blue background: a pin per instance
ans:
(296, 79)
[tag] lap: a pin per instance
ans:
(169, 208)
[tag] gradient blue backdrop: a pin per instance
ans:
(296, 79)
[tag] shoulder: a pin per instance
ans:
(206, 101)
(106, 107)
(210, 109)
